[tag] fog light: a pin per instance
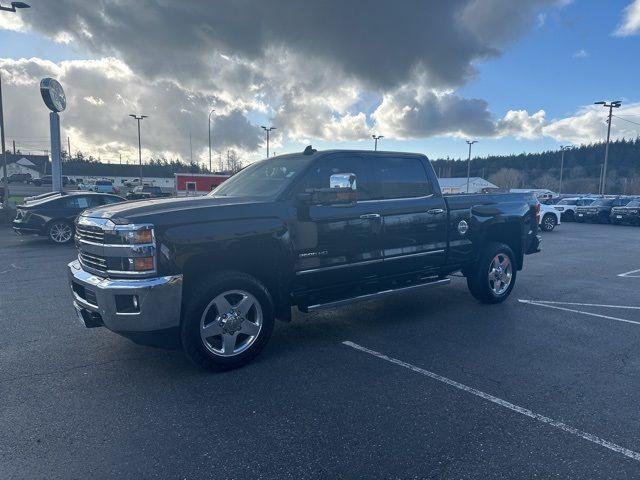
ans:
(142, 264)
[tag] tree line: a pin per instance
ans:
(582, 168)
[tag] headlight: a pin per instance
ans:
(139, 236)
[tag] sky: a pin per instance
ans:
(427, 75)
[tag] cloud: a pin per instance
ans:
(415, 112)
(360, 37)
(630, 24)
(100, 96)
(580, 54)
(587, 125)
(329, 70)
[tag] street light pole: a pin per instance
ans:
(610, 106)
(268, 130)
(138, 118)
(376, 138)
(5, 181)
(562, 149)
(469, 142)
(212, 111)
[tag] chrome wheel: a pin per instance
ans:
(500, 274)
(61, 232)
(230, 323)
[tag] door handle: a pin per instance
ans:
(435, 211)
(370, 216)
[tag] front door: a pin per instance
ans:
(336, 245)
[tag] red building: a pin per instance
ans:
(192, 184)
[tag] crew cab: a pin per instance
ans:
(147, 191)
(311, 230)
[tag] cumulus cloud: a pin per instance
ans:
(519, 124)
(415, 112)
(630, 24)
(100, 96)
(310, 67)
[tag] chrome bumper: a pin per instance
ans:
(94, 298)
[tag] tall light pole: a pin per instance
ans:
(212, 111)
(469, 142)
(138, 118)
(375, 140)
(562, 149)
(268, 130)
(5, 181)
(610, 106)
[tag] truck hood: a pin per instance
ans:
(162, 206)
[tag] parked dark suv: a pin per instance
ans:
(19, 178)
(630, 213)
(600, 210)
(47, 180)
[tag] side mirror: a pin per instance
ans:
(342, 191)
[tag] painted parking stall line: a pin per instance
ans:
(573, 310)
(631, 274)
(575, 304)
(503, 403)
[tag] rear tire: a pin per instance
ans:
(570, 216)
(227, 320)
(492, 279)
(60, 232)
(548, 222)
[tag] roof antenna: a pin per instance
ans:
(309, 150)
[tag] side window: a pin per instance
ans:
(76, 202)
(318, 176)
(400, 177)
(109, 200)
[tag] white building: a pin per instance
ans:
(459, 185)
(23, 165)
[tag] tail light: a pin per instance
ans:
(538, 213)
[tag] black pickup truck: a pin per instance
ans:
(313, 230)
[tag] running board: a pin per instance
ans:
(371, 296)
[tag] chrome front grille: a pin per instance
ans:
(95, 262)
(90, 233)
(104, 248)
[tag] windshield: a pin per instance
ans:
(267, 178)
(634, 204)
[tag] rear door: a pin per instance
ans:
(336, 244)
(414, 214)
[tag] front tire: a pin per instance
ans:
(60, 232)
(227, 320)
(492, 279)
(548, 223)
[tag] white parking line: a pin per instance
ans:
(503, 403)
(564, 309)
(581, 304)
(630, 274)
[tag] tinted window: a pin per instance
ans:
(567, 202)
(108, 200)
(82, 202)
(400, 177)
(318, 176)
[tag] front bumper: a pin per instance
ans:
(98, 301)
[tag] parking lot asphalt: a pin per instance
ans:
(428, 384)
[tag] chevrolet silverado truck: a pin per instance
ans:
(311, 230)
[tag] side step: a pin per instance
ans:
(371, 296)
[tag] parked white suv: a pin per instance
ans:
(549, 217)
